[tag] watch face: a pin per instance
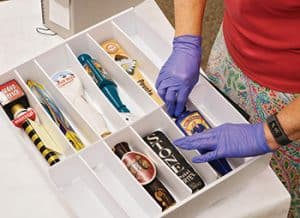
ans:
(275, 129)
(278, 133)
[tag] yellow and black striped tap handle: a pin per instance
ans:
(51, 157)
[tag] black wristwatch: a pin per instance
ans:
(277, 131)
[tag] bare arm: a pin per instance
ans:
(289, 118)
(188, 16)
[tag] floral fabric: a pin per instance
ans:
(259, 102)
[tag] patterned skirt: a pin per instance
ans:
(259, 102)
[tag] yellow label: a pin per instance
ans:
(48, 141)
(194, 123)
(74, 140)
(113, 48)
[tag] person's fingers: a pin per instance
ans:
(201, 141)
(162, 93)
(197, 136)
(157, 83)
(209, 156)
(170, 82)
(181, 100)
(164, 74)
(161, 77)
(171, 101)
(164, 85)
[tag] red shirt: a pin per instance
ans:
(263, 38)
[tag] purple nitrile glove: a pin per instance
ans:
(228, 140)
(180, 73)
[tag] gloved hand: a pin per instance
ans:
(180, 73)
(228, 140)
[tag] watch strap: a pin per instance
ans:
(277, 131)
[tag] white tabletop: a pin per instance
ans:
(25, 192)
(19, 41)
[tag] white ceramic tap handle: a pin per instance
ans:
(71, 87)
(92, 116)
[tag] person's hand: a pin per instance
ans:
(180, 73)
(228, 140)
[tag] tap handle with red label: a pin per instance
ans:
(144, 170)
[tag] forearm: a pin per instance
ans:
(188, 16)
(289, 118)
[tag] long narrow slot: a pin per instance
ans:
(136, 144)
(113, 118)
(124, 37)
(174, 184)
(145, 65)
(167, 126)
(63, 63)
(177, 188)
(152, 206)
(91, 92)
(51, 127)
(115, 177)
(114, 31)
(81, 127)
(214, 114)
(133, 62)
(144, 37)
(44, 120)
(121, 34)
(136, 33)
(129, 92)
(83, 45)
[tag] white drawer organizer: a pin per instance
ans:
(93, 182)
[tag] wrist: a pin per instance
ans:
(190, 39)
(270, 140)
(191, 44)
(276, 130)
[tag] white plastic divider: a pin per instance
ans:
(124, 188)
(144, 37)
(220, 189)
(28, 156)
(176, 186)
(97, 98)
(33, 71)
(210, 108)
(233, 162)
(44, 120)
(214, 114)
(64, 59)
(131, 94)
(84, 192)
(52, 129)
(113, 31)
(109, 190)
(159, 120)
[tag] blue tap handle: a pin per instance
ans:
(221, 165)
(107, 86)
